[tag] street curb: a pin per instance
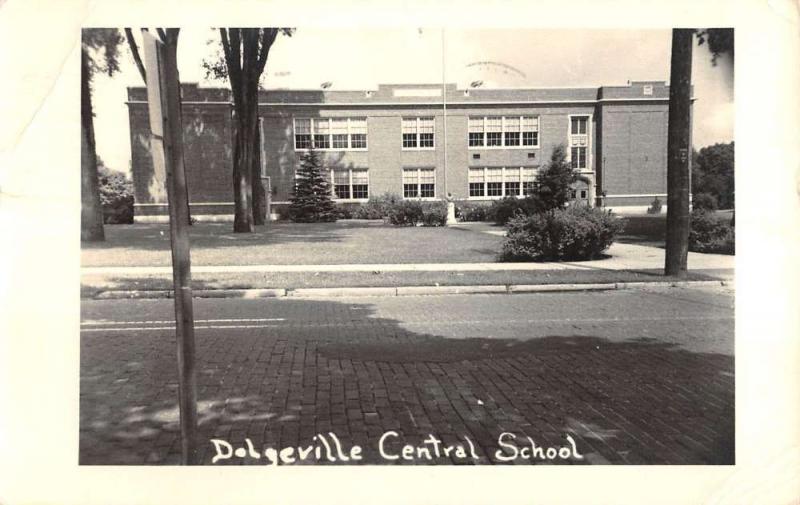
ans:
(398, 290)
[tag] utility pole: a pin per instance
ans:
(679, 153)
(164, 103)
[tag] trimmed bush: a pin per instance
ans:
(472, 211)
(574, 233)
(116, 196)
(378, 207)
(415, 212)
(711, 234)
(704, 201)
(406, 213)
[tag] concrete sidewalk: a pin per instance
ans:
(621, 257)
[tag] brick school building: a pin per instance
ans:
(428, 141)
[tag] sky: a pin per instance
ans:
(513, 58)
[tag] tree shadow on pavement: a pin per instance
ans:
(333, 366)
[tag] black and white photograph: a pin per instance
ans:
(433, 250)
(399, 253)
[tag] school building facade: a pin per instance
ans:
(428, 141)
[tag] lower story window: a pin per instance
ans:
(350, 184)
(419, 183)
(500, 181)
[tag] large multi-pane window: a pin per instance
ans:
(497, 182)
(503, 131)
(419, 183)
(579, 142)
(417, 132)
(330, 133)
(350, 183)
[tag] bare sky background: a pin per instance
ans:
(364, 58)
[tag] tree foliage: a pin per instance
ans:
(720, 41)
(553, 185)
(713, 173)
(311, 199)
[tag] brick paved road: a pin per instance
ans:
(634, 376)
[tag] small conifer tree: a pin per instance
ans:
(553, 186)
(311, 199)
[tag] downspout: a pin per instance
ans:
(444, 112)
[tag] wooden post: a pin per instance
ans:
(678, 153)
(164, 100)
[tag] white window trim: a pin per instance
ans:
(503, 131)
(419, 184)
(589, 154)
(349, 183)
(520, 170)
(417, 132)
(313, 120)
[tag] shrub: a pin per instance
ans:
(575, 233)
(311, 199)
(415, 212)
(504, 209)
(434, 214)
(472, 211)
(406, 213)
(704, 201)
(378, 207)
(343, 212)
(711, 234)
(116, 196)
(655, 207)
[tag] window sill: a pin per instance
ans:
(418, 148)
(500, 148)
(350, 200)
(331, 150)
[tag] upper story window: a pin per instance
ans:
(503, 131)
(330, 133)
(579, 142)
(418, 133)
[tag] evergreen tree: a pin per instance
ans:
(553, 186)
(311, 199)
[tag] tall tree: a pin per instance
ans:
(99, 53)
(720, 41)
(553, 186)
(244, 57)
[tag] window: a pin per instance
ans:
(350, 184)
(358, 133)
(330, 133)
(302, 133)
(579, 142)
(503, 131)
(496, 182)
(419, 183)
(417, 132)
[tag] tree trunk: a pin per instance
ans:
(679, 153)
(91, 209)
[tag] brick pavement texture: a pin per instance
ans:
(636, 400)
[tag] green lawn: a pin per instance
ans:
(286, 243)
